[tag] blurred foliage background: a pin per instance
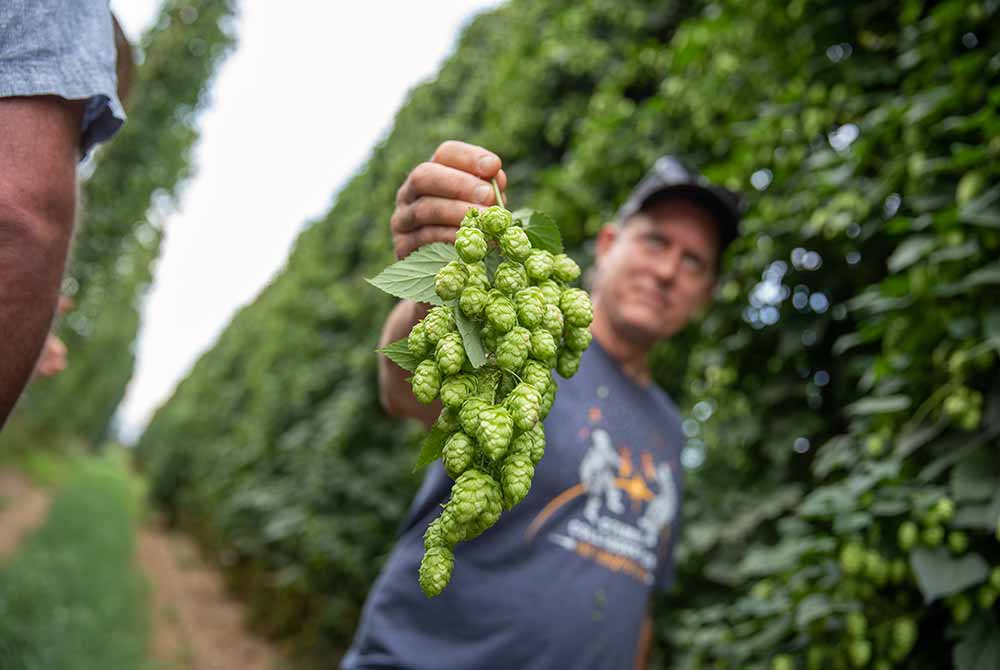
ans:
(843, 394)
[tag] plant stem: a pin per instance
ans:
(496, 192)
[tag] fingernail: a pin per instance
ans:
(483, 193)
(488, 165)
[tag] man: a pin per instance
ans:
(563, 580)
(57, 99)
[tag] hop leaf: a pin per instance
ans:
(450, 353)
(543, 345)
(565, 268)
(417, 340)
(455, 389)
(472, 302)
(577, 339)
(568, 363)
(435, 570)
(539, 265)
(530, 307)
(515, 478)
(494, 220)
(496, 428)
(510, 277)
(450, 280)
(501, 314)
(439, 322)
(515, 243)
(426, 381)
(470, 243)
(468, 416)
(512, 352)
(576, 307)
(457, 454)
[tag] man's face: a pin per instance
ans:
(655, 272)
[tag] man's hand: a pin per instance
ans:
(436, 195)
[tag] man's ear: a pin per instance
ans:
(606, 237)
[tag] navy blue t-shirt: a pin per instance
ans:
(563, 580)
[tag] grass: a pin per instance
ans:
(71, 597)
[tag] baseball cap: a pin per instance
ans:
(670, 177)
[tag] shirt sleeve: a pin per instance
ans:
(66, 49)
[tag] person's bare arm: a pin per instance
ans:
(429, 208)
(39, 150)
(645, 642)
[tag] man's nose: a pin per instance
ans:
(667, 265)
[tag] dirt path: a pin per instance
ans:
(196, 624)
(23, 507)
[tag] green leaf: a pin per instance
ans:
(789, 554)
(886, 405)
(469, 331)
(980, 647)
(541, 229)
(430, 449)
(913, 439)
(984, 276)
(814, 606)
(911, 250)
(939, 574)
(399, 353)
(979, 517)
(827, 502)
(975, 478)
(413, 277)
(980, 211)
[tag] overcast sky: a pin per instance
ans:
(294, 112)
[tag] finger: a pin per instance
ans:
(469, 158)
(407, 244)
(429, 211)
(435, 179)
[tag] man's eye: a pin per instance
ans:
(694, 263)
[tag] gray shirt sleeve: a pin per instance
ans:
(64, 48)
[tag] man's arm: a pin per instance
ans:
(39, 150)
(429, 208)
(645, 642)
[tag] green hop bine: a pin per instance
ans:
(506, 318)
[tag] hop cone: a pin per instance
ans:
(471, 219)
(501, 314)
(551, 292)
(512, 352)
(515, 478)
(457, 454)
(553, 321)
(450, 280)
(426, 381)
(539, 265)
(478, 276)
(470, 243)
(468, 416)
(577, 339)
(510, 277)
(435, 570)
(494, 220)
(543, 345)
(475, 502)
(496, 427)
(472, 302)
(417, 341)
(568, 363)
(439, 322)
(565, 268)
(489, 336)
(433, 537)
(536, 374)
(521, 444)
(523, 404)
(447, 420)
(450, 354)
(515, 243)
(548, 398)
(455, 389)
(576, 307)
(507, 384)
(530, 307)
(537, 441)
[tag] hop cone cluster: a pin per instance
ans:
(530, 322)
